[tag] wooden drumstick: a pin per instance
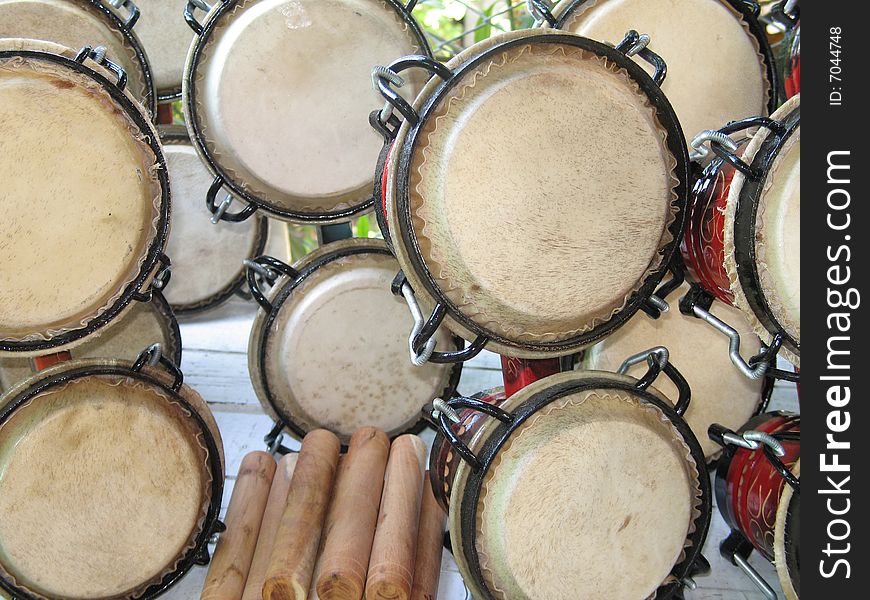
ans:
(391, 568)
(269, 527)
(232, 558)
(353, 516)
(430, 540)
(289, 574)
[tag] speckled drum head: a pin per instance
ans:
(298, 146)
(144, 324)
(91, 509)
(79, 23)
(333, 351)
(207, 258)
(720, 393)
(786, 543)
(762, 232)
(456, 209)
(86, 199)
(593, 475)
(720, 66)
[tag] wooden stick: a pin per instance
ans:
(391, 568)
(353, 516)
(430, 541)
(269, 527)
(232, 558)
(288, 576)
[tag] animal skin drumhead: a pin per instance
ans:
(83, 203)
(302, 143)
(720, 393)
(716, 70)
(91, 509)
(540, 247)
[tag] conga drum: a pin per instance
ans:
(207, 258)
(456, 209)
(571, 477)
(742, 242)
(86, 201)
(79, 23)
(111, 475)
(273, 92)
(758, 491)
(329, 349)
(146, 323)
(720, 65)
(720, 394)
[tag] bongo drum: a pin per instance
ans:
(331, 318)
(793, 64)
(720, 65)
(90, 508)
(86, 202)
(456, 209)
(79, 23)
(144, 324)
(742, 242)
(297, 148)
(720, 394)
(758, 490)
(570, 476)
(207, 258)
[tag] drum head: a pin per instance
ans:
(78, 242)
(774, 243)
(340, 324)
(786, 545)
(207, 258)
(301, 156)
(166, 37)
(522, 235)
(79, 23)
(596, 480)
(144, 324)
(717, 67)
(88, 511)
(720, 394)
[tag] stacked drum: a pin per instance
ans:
(607, 200)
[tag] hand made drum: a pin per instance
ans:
(720, 65)
(275, 98)
(330, 348)
(85, 199)
(571, 478)
(78, 23)
(742, 242)
(533, 254)
(207, 258)
(144, 324)
(111, 476)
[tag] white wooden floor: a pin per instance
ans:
(215, 364)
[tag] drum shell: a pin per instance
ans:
(792, 75)
(749, 488)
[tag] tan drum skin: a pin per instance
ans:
(80, 479)
(95, 242)
(78, 23)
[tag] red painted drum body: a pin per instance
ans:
(793, 65)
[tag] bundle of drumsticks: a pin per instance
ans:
(324, 525)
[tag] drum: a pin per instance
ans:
(296, 148)
(86, 201)
(755, 497)
(456, 209)
(79, 23)
(720, 394)
(742, 242)
(566, 479)
(793, 64)
(207, 258)
(331, 318)
(90, 510)
(146, 323)
(720, 65)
